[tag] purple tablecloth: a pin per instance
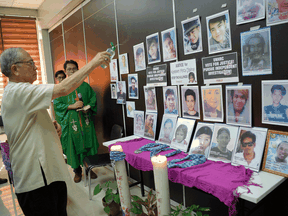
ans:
(217, 178)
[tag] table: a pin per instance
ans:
(268, 181)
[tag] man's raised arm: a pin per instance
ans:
(74, 81)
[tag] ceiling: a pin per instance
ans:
(28, 4)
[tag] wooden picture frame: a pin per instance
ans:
(271, 161)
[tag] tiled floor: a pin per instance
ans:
(78, 199)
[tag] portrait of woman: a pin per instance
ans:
(212, 103)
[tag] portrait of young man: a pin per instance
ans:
(167, 129)
(256, 52)
(139, 57)
(113, 91)
(169, 45)
(274, 102)
(249, 151)
(139, 123)
(250, 10)
(238, 105)
(150, 125)
(153, 48)
(190, 102)
(121, 93)
(170, 100)
(133, 86)
(192, 38)
(219, 36)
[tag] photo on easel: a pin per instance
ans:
(139, 123)
(150, 125)
(167, 129)
(275, 157)
(182, 134)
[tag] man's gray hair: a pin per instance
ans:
(9, 57)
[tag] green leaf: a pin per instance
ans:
(198, 213)
(108, 198)
(107, 209)
(116, 198)
(97, 189)
(204, 209)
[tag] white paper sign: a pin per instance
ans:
(183, 72)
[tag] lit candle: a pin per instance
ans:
(161, 184)
(122, 182)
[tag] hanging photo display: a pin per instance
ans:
(256, 52)
(123, 63)
(150, 99)
(153, 48)
(183, 72)
(139, 123)
(277, 12)
(190, 102)
(170, 98)
(223, 142)
(219, 34)
(212, 103)
(156, 75)
(133, 86)
(276, 152)
(192, 37)
(202, 139)
(220, 69)
(150, 125)
(182, 134)
(121, 92)
(238, 105)
(139, 57)
(167, 129)
(250, 11)
(113, 70)
(250, 146)
(275, 102)
(113, 91)
(130, 108)
(169, 44)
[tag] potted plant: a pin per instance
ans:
(149, 204)
(194, 210)
(111, 200)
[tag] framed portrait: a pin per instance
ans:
(239, 105)
(219, 33)
(202, 139)
(113, 91)
(139, 123)
(168, 126)
(169, 44)
(256, 52)
(150, 125)
(123, 63)
(275, 102)
(182, 134)
(170, 98)
(192, 35)
(250, 11)
(223, 142)
(121, 92)
(212, 103)
(276, 152)
(130, 108)
(113, 70)
(183, 72)
(249, 148)
(139, 57)
(153, 48)
(190, 102)
(150, 99)
(277, 12)
(133, 86)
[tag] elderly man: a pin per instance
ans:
(78, 138)
(35, 149)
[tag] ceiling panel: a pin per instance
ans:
(29, 4)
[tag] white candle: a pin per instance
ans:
(122, 182)
(161, 184)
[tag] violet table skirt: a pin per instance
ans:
(216, 178)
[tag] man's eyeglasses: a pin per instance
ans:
(31, 62)
(249, 144)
